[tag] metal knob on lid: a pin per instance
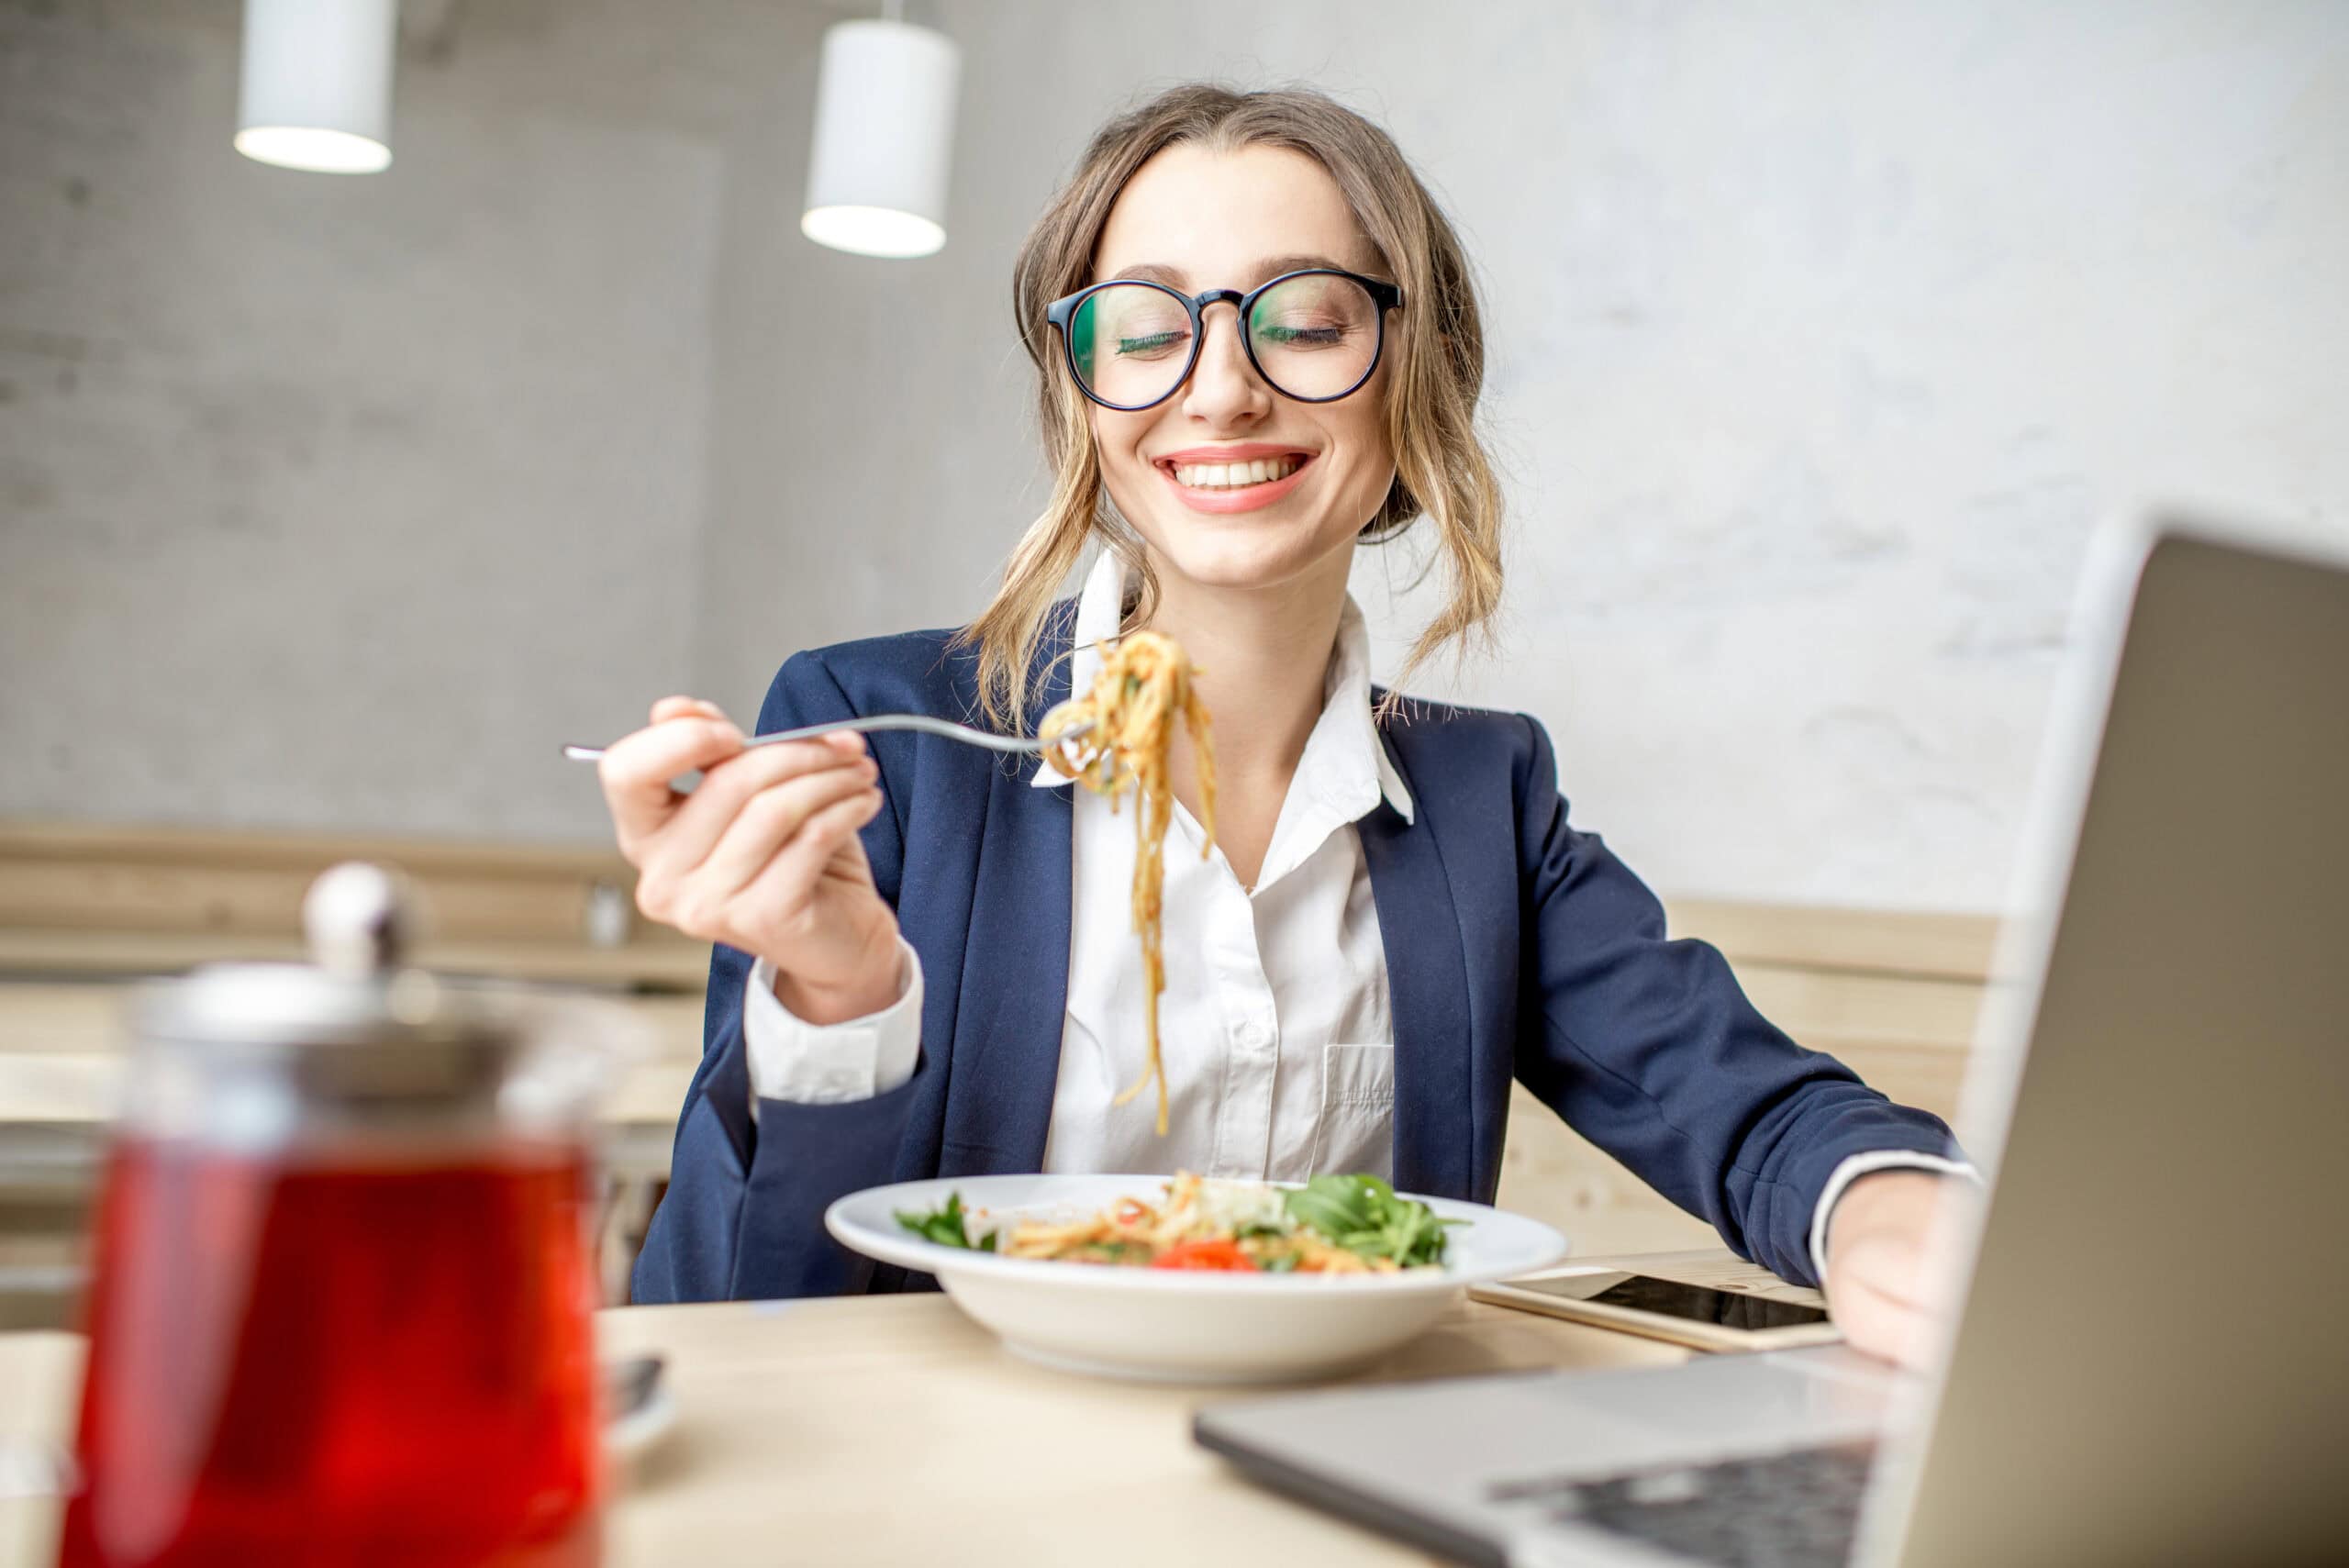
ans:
(353, 1039)
(358, 920)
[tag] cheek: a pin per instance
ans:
(1370, 468)
(1117, 437)
(1120, 431)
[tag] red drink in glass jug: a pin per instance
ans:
(377, 1362)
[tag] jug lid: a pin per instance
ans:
(356, 1027)
(359, 921)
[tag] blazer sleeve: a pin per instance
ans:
(743, 1216)
(1649, 1048)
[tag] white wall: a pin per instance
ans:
(336, 502)
(1821, 335)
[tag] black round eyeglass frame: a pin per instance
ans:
(1385, 297)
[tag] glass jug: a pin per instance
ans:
(341, 1305)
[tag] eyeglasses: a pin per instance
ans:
(1314, 336)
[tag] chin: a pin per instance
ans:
(1252, 553)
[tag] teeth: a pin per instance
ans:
(1234, 475)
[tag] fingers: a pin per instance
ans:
(1880, 1298)
(635, 770)
(767, 821)
(1885, 1326)
(697, 852)
(698, 822)
(788, 876)
(680, 707)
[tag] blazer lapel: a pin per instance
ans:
(1007, 1045)
(1426, 979)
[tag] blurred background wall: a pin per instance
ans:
(1822, 336)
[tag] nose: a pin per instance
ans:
(1225, 391)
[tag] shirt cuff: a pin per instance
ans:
(1853, 1167)
(823, 1065)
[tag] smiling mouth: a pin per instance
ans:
(1230, 476)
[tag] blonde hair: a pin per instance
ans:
(1437, 367)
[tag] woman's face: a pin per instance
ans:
(1315, 472)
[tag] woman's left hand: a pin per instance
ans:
(1884, 1283)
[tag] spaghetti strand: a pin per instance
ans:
(1144, 686)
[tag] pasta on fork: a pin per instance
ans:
(1143, 689)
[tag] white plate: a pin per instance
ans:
(1172, 1326)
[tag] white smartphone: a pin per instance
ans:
(1700, 1316)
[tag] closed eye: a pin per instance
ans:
(1302, 336)
(1151, 343)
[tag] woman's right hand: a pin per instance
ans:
(763, 855)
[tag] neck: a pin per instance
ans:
(1263, 656)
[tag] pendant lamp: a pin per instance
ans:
(885, 140)
(317, 88)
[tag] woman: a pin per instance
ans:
(1258, 348)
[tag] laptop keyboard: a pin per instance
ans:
(1782, 1510)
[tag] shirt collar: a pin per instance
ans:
(1345, 768)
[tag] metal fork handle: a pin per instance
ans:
(921, 721)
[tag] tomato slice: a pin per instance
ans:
(1221, 1256)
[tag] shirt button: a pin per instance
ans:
(1251, 1035)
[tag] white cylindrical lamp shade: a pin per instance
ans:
(316, 90)
(885, 140)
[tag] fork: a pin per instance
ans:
(923, 722)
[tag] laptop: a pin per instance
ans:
(2152, 1362)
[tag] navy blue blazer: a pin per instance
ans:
(1516, 946)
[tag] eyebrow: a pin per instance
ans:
(1270, 267)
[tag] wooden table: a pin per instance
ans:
(892, 1430)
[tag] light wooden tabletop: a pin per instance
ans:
(892, 1430)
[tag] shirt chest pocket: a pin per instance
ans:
(1355, 1129)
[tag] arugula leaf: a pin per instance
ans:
(1332, 1204)
(945, 1226)
(1364, 1215)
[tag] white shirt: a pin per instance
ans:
(1278, 1041)
(1278, 1044)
